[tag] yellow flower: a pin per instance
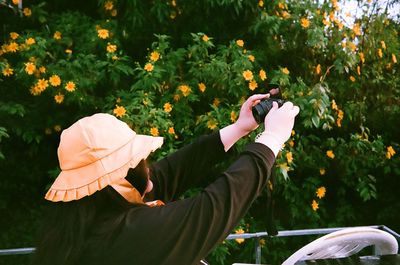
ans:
(27, 12)
(285, 71)
(8, 71)
(240, 43)
(205, 38)
(390, 152)
(119, 111)
(305, 23)
(30, 68)
(233, 116)
(314, 205)
(30, 41)
(358, 70)
(70, 86)
(362, 58)
(239, 231)
(356, 29)
(253, 85)
(260, 3)
(15, 2)
(251, 58)
(289, 157)
(202, 87)
(394, 59)
(321, 192)
(262, 74)
(68, 51)
(380, 53)
(111, 48)
(167, 107)
(383, 44)
(185, 89)
(42, 84)
(154, 56)
(322, 171)
(330, 154)
(291, 143)
(177, 97)
(171, 130)
(281, 5)
(59, 98)
(352, 46)
(248, 75)
(42, 69)
(57, 35)
(13, 47)
(318, 69)
(212, 124)
(108, 5)
(216, 102)
(55, 80)
(154, 131)
(103, 33)
(148, 67)
(14, 35)
(114, 13)
(352, 78)
(57, 128)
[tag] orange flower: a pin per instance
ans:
(154, 56)
(103, 33)
(202, 87)
(14, 35)
(239, 231)
(233, 116)
(330, 154)
(185, 89)
(248, 75)
(289, 157)
(205, 38)
(59, 98)
(171, 130)
(30, 68)
(212, 124)
(352, 78)
(70, 86)
(111, 48)
(253, 85)
(314, 205)
(27, 12)
(108, 5)
(251, 58)
(8, 71)
(390, 152)
(119, 111)
(356, 29)
(30, 41)
(42, 84)
(216, 102)
(262, 74)
(380, 53)
(318, 69)
(285, 71)
(167, 107)
(394, 59)
(321, 192)
(362, 58)
(55, 80)
(154, 131)
(13, 47)
(148, 67)
(57, 35)
(240, 43)
(305, 23)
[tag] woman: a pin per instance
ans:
(103, 200)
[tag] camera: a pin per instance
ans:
(261, 109)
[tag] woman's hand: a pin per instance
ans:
(244, 125)
(246, 122)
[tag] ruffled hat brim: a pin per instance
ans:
(77, 183)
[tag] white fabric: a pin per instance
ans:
(279, 123)
(344, 243)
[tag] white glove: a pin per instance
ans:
(278, 126)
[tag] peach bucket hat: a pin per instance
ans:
(95, 152)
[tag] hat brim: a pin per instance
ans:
(77, 183)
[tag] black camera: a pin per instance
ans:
(261, 109)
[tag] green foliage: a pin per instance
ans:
(168, 69)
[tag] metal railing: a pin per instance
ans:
(285, 233)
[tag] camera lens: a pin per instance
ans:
(261, 110)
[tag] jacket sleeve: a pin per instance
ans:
(185, 168)
(194, 226)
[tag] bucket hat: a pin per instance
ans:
(95, 152)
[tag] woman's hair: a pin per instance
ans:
(67, 225)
